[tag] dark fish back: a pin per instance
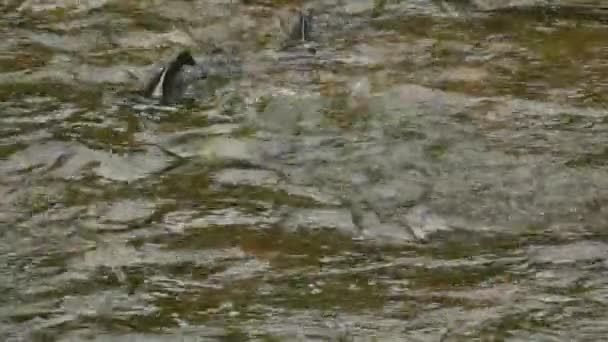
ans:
(302, 29)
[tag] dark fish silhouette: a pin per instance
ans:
(302, 29)
(170, 82)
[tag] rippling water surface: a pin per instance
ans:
(421, 171)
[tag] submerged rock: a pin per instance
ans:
(423, 222)
(125, 211)
(218, 149)
(247, 177)
(69, 161)
(492, 5)
(314, 219)
(580, 251)
(37, 6)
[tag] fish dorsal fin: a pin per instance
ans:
(154, 87)
(158, 90)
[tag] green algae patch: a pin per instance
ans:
(117, 137)
(8, 149)
(235, 335)
(567, 43)
(245, 131)
(52, 15)
(379, 7)
(274, 3)
(269, 195)
(598, 159)
(91, 189)
(107, 137)
(283, 249)
(348, 293)
(23, 61)
(271, 338)
(419, 26)
(131, 56)
(89, 98)
(437, 151)
(461, 244)
(204, 304)
(37, 200)
(141, 18)
(193, 186)
(304, 248)
(450, 277)
(344, 114)
(184, 118)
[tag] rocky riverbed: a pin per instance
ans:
(420, 171)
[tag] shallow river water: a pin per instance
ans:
(420, 171)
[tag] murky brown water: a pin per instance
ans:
(435, 171)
